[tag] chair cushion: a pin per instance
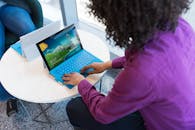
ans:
(35, 9)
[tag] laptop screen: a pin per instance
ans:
(59, 47)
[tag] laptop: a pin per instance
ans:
(63, 53)
(28, 41)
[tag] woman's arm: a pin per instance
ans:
(131, 92)
(100, 67)
(119, 62)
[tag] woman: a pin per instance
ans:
(158, 76)
(15, 17)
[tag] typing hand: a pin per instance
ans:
(93, 68)
(73, 78)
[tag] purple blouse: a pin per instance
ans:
(159, 82)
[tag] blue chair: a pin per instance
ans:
(36, 14)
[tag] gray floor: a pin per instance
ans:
(22, 121)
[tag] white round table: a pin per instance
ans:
(30, 81)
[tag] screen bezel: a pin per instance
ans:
(65, 29)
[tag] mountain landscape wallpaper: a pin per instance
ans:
(60, 47)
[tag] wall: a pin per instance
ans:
(190, 15)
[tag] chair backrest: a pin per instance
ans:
(35, 9)
(36, 12)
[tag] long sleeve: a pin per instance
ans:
(131, 92)
(118, 62)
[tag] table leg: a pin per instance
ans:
(43, 112)
(47, 117)
(25, 109)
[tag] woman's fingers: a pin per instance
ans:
(86, 68)
(92, 72)
(67, 75)
(73, 78)
(65, 78)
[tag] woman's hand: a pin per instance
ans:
(97, 67)
(73, 78)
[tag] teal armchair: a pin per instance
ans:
(36, 15)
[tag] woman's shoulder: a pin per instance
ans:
(147, 62)
(164, 52)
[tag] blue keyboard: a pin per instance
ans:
(73, 64)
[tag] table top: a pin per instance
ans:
(30, 81)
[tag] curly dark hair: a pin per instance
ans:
(131, 23)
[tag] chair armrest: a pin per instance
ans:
(36, 12)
